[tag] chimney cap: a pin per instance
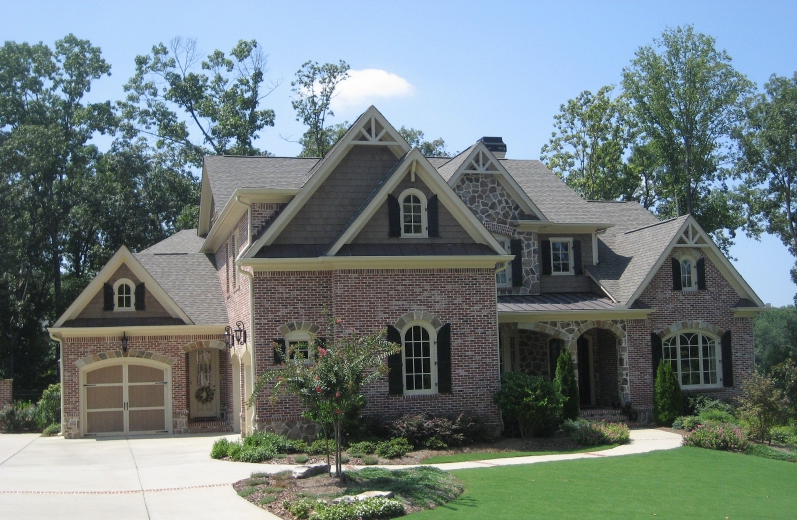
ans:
(495, 145)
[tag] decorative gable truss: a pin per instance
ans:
(372, 131)
(692, 236)
(481, 162)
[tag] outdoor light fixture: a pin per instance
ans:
(124, 342)
(228, 336)
(240, 333)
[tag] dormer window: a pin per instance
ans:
(688, 272)
(503, 278)
(124, 295)
(561, 256)
(413, 214)
(687, 276)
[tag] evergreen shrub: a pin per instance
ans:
(667, 398)
(567, 385)
(532, 401)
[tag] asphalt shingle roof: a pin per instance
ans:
(557, 201)
(189, 277)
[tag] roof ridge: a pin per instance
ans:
(653, 225)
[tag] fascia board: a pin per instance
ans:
(60, 333)
(608, 314)
(122, 256)
(330, 162)
(715, 255)
(505, 178)
(329, 263)
(748, 312)
(554, 227)
(205, 204)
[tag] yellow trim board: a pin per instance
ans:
(60, 333)
(330, 263)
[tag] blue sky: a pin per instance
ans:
(457, 70)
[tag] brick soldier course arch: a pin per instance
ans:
(691, 325)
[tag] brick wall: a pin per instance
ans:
(712, 306)
(5, 392)
(368, 300)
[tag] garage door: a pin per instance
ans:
(126, 397)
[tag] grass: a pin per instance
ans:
(467, 457)
(760, 450)
(680, 483)
(423, 486)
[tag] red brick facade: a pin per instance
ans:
(6, 392)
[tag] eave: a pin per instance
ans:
(542, 226)
(330, 263)
(60, 333)
(748, 312)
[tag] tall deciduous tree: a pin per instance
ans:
(687, 98)
(588, 146)
(415, 137)
(200, 106)
(768, 163)
(314, 88)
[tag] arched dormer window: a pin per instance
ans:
(687, 275)
(124, 295)
(413, 214)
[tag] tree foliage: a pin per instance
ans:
(330, 386)
(567, 385)
(314, 87)
(775, 337)
(175, 91)
(415, 138)
(588, 146)
(687, 98)
(763, 405)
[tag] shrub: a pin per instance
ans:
(53, 429)
(763, 405)
(363, 447)
(370, 460)
(717, 416)
(219, 449)
(267, 499)
(600, 433)
(698, 404)
(255, 454)
(321, 446)
(423, 431)
(667, 398)
(274, 442)
(234, 450)
(571, 425)
(369, 509)
(19, 416)
(532, 401)
(728, 437)
(783, 435)
(299, 508)
(49, 407)
(687, 422)
(393, 448)
(567, 386)
(301, 459)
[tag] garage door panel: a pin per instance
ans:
(105, 422)
(144, 374)
(143, 396)
(101, 376)
(100, 397)
(147, 420)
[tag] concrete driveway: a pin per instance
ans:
(120, 478)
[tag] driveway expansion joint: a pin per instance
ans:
(123, 492)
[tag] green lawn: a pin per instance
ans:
(467, 457)
(681, 483)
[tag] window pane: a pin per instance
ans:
(417, 358)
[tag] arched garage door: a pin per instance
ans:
(127, 396)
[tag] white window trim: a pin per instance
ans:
(132, 286)
(236, 277)
(693, 265)
(717, 352)
(299, 336)
(424, 221)
(569, 255)
(432, 358)
(505, 242)
(510, 353)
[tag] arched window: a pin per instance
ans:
(695, 359)
(687, 275)
(124, 295)
(413, 213)
(419, 351)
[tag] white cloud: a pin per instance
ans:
(365, 87)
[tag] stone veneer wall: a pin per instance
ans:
(171, 350)
(368, 300)
(708, 310)
(494, 207)
(533, 353)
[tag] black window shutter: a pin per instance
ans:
(656, 351)
(727, 360)
(431, 217)
(701, 274)
(444, 359)
(676, 275)
(393, 217)
(279, 350)
(108, 292)
(577, 257)
(141, 304)
(546, 256)
(516, 248)
(394, 363)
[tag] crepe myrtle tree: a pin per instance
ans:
(330, 382)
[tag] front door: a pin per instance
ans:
(203, 373)
(584, 371)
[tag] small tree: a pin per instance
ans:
(667, 398)
(567, 386)
(330, 386)
(763, 405)
(532, 400)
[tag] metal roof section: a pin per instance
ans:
(554, 302)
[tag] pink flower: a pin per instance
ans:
(316, 378)
(338, 321)
(280, 379)
(322, 351)
(337, 394)
(318, 389)
(338, 411)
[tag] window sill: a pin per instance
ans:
(417, 397)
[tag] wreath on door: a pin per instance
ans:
(204, 394)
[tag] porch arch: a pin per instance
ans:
(419, 315)
(203, 344)
(118, 354)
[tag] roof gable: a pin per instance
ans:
(123, 257)
(370, 129)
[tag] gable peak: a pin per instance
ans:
(481, 162)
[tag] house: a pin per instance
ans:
(475, 264)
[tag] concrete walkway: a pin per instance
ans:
(168, 477)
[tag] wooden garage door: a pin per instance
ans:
(127, 397)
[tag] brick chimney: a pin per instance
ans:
(495, 145)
